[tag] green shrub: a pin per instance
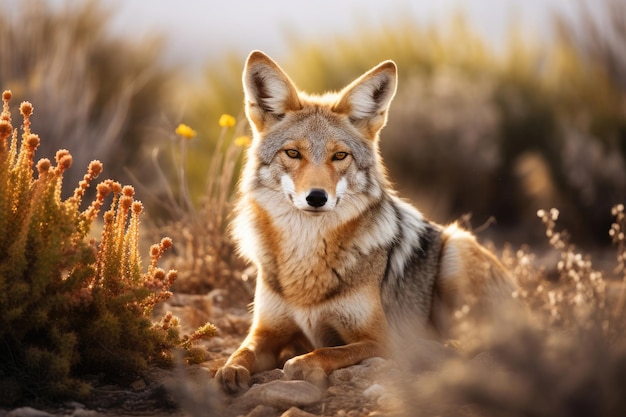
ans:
(70, 305)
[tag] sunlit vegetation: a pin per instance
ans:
(488, 136)
(97, 94)
(73, 305)
(473, 129)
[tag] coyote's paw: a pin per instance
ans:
(299, 368)
(233, 378)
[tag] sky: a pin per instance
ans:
(197, 30)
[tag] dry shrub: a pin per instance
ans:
(567, 357)
(70, 305)
(453, 125)
(95, 92)
(205, 256)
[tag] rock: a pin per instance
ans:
(81, 412)
(27, 412)
(138, 385)
(340, 376)
(267, 376)
(296, 412)
(263, 411)
(374, 391)
(284, 394)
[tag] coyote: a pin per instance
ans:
(346, 269)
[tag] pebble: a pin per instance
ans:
(284, 394)
(296, 412)
(262, 411)
(138, 385)
(81, 412)
(27, 412)
(374, 391)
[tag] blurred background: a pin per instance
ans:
(503, 107)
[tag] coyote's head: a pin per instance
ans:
(320, 152)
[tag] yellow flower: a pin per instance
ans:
(242, 141)
(185, 131)
(226, 120)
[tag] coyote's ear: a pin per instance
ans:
(269, 93)
(366, 101)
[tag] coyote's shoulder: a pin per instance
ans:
(347, 270)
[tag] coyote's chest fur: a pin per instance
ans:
(308, 261)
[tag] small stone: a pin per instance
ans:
(262, 411)
(374, 391)
(341, 375)
(284, 394)
(335, 390)
(296, 412)
(27, 412)
(138, 385)
(81, 412)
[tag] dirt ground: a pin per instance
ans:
(190, 391)
(375, 387)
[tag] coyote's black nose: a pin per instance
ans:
(317, 198)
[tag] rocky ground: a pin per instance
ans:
(367, 389)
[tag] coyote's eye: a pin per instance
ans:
(292, 153)
(339, 156)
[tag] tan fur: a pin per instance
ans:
(347, 270)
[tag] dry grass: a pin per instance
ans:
(566, 358)
(205, 254)
(95, 92)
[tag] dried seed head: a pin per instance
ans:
(166, 243)
(116, 187)
(159, 274)
(61, 153)
(128, 191)
(95, 168)
(103, 189)
(26, 109)
(109, 216)
(554, 214)
(137, 207)
(126, 202)
(172, 276)
(6, 95)
(65, 162)
(32, 141)
(43, 166)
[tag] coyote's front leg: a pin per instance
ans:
(259, 351)
(316, 365)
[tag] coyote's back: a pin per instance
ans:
(346, 269)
